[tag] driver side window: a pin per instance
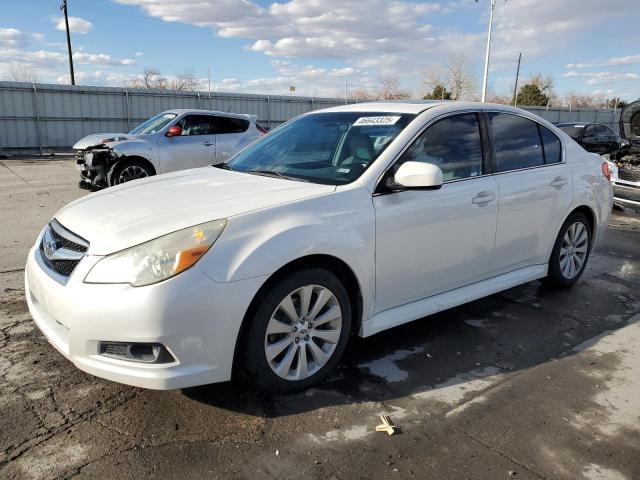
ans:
(196, 125)
(453, 144)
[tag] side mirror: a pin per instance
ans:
(419, 175)
(174, 131)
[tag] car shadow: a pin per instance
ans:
(514, 330)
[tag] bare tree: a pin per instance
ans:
(544, 83)
(362, 95)
(580, 100)
(152, 79)
(460, 77)
(457, 77)
(389, 90)
(184, 81)
(20, 72)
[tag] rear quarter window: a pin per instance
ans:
(231, 125)
(552, 145)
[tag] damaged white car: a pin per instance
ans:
(170, 141)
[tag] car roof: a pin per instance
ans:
(180, 111)
(417, 107)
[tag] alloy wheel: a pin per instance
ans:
(132, 172)
(303, 332)
(574, 249)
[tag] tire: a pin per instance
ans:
(127, 170)
(570, 252)
(274, 361)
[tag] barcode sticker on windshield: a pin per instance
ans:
(362, 121)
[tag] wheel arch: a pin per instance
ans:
(589, 213)
(328, 262)
(137, 158)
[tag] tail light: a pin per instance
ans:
(261, 128)
(606, 171)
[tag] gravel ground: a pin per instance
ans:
(528, 383)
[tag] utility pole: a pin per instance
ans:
(515, 88)
(209, 74)
(486, 58)
(63, 7)
(346, 86)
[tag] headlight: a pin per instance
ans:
(158, 259)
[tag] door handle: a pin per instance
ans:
(559, 182)
(483, 198)
(207, 143)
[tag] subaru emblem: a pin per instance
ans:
(49, 243)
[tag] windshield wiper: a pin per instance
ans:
(222, 165)
(271, 173)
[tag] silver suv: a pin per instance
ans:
(170, 141)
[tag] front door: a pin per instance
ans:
(195, 147)
(431, 241)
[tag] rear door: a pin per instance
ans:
(232, 134)
(431, 241)
(194, 148)
(535, 190)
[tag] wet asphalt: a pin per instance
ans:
(528, 383)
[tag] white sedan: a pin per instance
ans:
(345, 221)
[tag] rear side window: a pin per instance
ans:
(552, 145)
(516, 141)
(231, 125)
(453, 144)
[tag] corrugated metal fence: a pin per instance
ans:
(53, 117)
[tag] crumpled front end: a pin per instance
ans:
(94, 163)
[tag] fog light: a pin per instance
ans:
(136, 352)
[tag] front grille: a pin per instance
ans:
(61, 250)
(629, 174)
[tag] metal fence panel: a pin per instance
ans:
(53, 117)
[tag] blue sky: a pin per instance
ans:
(587, 46)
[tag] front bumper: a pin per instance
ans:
(195, 318)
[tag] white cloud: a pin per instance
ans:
(602, 78)
(76, 24)
(101, 59)
(611, 62)
(308, 28)
(14, 38)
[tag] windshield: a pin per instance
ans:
(329, 148)
(574, 131)
(153, 124)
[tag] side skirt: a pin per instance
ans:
(443, 301)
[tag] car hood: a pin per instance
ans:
(133, 213)
(97, 138)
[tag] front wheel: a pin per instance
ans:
(570, 252)
(299, 332)
(128, 170)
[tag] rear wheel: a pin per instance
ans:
(128, 170)
(299, 332)
(570, 252)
